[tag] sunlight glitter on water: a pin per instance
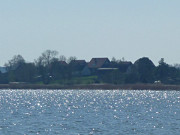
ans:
(89, 112)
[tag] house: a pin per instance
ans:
(78, 62)
(93, 66)
(96, 63)
(77, 66)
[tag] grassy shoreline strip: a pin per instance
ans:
(93, 86)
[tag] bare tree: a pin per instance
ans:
(161, 61)
(46, 58)
(176, 65)
(62, 58)
(14, 62)
(113, 59)
(72, 58)
(123, 59)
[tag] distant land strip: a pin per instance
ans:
(92, 87)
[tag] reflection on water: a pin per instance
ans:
(79, 112)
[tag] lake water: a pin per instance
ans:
(83, 112)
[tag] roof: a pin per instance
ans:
(79, 62)
(98, 62)
(63, 63)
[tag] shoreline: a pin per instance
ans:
(93, 86)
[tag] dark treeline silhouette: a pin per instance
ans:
(49, 68)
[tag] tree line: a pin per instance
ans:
(50, 68)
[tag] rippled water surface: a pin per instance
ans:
(79, 112)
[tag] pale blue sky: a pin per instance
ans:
(91, 28)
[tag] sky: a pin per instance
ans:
(91, 28)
